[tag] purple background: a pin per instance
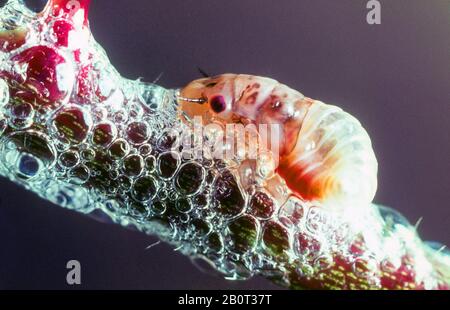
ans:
(393, 77)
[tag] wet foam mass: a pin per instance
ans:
(78, 134)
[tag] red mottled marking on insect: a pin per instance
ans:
(251, 99)
(272, 110)
(255, 86)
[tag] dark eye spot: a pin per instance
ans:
(211, 84)
(218, 104)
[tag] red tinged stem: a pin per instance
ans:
(41, 84)
(12, 39)
(70, 7)
(75, 20)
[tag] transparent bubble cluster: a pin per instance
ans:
(81, 136)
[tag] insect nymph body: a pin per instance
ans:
(80, 135)
(325, 154)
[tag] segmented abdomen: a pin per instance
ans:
(333, 160)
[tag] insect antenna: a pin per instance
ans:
(203, 73)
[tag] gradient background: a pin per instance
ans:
(393, 77)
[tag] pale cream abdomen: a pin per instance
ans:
(333, 160)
